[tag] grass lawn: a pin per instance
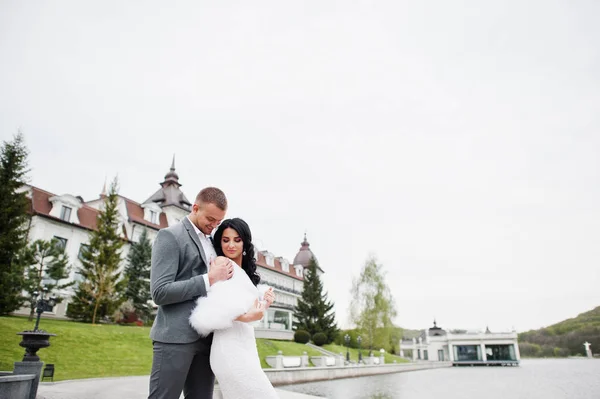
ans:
(389, 358)
(81, 350)
(85, 351)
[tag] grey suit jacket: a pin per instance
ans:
(178, 262)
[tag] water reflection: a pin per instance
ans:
(555, 379)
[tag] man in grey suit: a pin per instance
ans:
(183, 269)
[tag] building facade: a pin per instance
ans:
(476, 348)
(70, 219)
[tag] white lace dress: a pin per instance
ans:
(233, 355)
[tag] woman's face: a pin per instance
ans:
(231, 243)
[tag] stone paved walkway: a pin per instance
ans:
(116, 388)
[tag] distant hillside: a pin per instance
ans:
(563, 339)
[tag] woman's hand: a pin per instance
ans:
(256, 313)
(269, 297)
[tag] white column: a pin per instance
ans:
(265, 320)
(483, 354)
(450, 352)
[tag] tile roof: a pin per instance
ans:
(41, 205)
(277, 268)
(135, 212)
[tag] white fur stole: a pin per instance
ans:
(225, 302)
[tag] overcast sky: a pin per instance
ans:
(457, 141)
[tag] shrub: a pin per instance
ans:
(126, 314)
(320, 339)
(301, 336)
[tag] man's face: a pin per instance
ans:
(208, 216)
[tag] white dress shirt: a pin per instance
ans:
(209, 251)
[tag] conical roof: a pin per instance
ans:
(304, 254)
(170, 193)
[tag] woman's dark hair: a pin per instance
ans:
(242, 228)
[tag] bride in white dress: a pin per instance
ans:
(228, 309)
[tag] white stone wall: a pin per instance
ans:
(174, 214)
(45, 229)
(280, 279)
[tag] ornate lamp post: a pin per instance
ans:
(347, 339)
(36, 339)
(43, 305)
(359, 340)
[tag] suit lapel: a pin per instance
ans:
(192, 232)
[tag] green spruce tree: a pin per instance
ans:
(13, 222)
(138, 276)
(372, 307)
(47, 265)
(314, 311)
(100, 290)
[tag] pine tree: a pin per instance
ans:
(314, 311)
(101, 289)
(47, 264)
(138, 276)
(13, 222)
(372, 308)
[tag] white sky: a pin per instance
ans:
(456, 140)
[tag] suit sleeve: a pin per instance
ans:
(165, 264)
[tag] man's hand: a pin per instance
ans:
(221, 269)
(256, 313)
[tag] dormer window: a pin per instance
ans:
(285, 265)
(65, 213)
(299, 270)
(152, 212)
(153, 217)
(65, 207)
(270, 259)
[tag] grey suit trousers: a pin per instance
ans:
(177, 367)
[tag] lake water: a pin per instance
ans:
(533, 379)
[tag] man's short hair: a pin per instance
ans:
(212, 195)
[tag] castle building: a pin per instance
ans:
(70, 219)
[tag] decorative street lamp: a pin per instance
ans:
(36, 339)
(43, 305)
(359, 340)
(347, 339)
